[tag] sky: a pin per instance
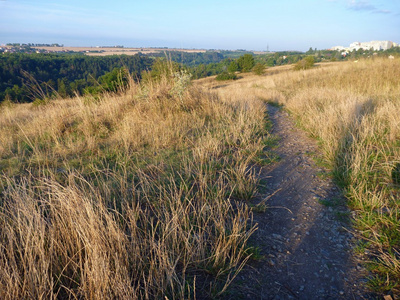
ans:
(203, 24)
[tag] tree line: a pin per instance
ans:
(22, 75)
(63, 74)
(67, 74)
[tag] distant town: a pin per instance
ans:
(373, 45)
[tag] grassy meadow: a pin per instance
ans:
(135, 195)
(143, 194)
(353, 110)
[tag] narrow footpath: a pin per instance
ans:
(304, 237)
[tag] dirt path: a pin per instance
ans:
(305, 244)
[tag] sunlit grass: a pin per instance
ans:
(353, 109)
(138, 195)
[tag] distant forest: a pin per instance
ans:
(64, 74)
(23, 74)
(68, 74)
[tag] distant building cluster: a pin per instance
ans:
(28, 48)
(373, 45)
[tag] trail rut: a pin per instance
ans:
(304, 236)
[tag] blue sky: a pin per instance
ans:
(218, 24)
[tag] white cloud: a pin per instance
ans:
(363, 5)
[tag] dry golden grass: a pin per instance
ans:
(130, 196)
(353, 109)
(136, 195)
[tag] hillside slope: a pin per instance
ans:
(136, 195)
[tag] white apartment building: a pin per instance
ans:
(373, 45)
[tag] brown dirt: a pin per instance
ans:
(305, 246)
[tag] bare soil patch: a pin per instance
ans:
(304, 240)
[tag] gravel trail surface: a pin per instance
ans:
(304, 236)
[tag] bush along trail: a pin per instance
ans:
(303, 243)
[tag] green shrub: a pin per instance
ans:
(115, 81)
(39, 102)
(233, 67)
(226, 76)
(305, 63)
(246, 62)
(259, 69)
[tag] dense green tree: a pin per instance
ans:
(62, 88)
(311, 51)
(233, 67)
(115, 81)
(246, 62)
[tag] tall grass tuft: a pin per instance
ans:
(136, 195)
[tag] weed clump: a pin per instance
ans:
(259, 69)
(181, 82)
(304, 64)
